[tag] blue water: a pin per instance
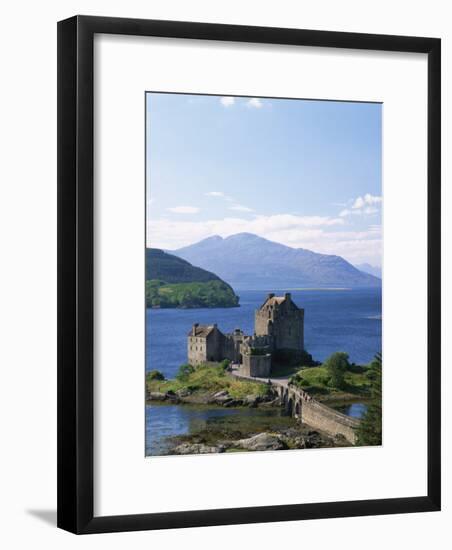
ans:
(356, 410)
(335, 320)
(163, 421)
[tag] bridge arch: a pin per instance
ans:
(298, 409)
(290, 406)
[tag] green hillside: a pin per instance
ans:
(174, 283)
(171, 269)
(189, 295)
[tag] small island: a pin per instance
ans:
(270, 369)
(174, 283)
(333, 383)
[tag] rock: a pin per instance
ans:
(233, 403)
(171, 396)
(222, 393)
(274, 403)
(341, 441)
(183, 392)
(222, 399)
(197, 448)
(300, 443)
(251, 400)
(156, 396)
(261, 442)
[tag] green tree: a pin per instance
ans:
(155, 375)
(369, 431)
(225, 364)
(184, 372)
(336, 366)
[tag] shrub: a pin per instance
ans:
(225, 364)
(155, 375)
(369, 431)
(337, 364)
(184, 372)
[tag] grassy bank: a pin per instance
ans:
(318, 383)
(160, 294)
(206, 379)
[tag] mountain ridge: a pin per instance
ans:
(368, 268)
(167, 267)
(172, 282)
(246, 260)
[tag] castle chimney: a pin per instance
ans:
(193, 330)
(287, 296)
(270, 295)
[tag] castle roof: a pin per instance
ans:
(276, 300)
(201, 330)
(273, 300)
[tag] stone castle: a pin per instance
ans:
(278, 325)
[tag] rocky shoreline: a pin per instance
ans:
(221, 398)
(299, 437)
(224, 437)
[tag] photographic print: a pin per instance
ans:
(263, 274)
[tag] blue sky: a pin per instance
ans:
(303, 173)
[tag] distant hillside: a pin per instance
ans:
(174, 283)
(367, 268)
(248, 261)
(172, 269)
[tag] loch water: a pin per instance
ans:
(335, 320)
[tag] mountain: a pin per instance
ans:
(245, 260)
(172, 269)
(172, 282)
(372, 269)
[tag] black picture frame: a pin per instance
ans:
(76, 265)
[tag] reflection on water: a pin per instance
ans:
(164, 421)
(356, 410)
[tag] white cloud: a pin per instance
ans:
(184, 209)
(227, 101)
(240, 208)
(255, 103)
(220, 195)
(215, 194)
(367, 199)
(168, 233)
(318, 233)
(362, 205)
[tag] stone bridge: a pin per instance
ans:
(302, 406)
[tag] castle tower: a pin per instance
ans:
(282, 320)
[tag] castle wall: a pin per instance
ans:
(279, 324)
(261, 320)
(256, 365)
(205, 348)
(283, 321)
(231, 346)
(289, 330)
(196, 350)
(330, 421)
(299, 403)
